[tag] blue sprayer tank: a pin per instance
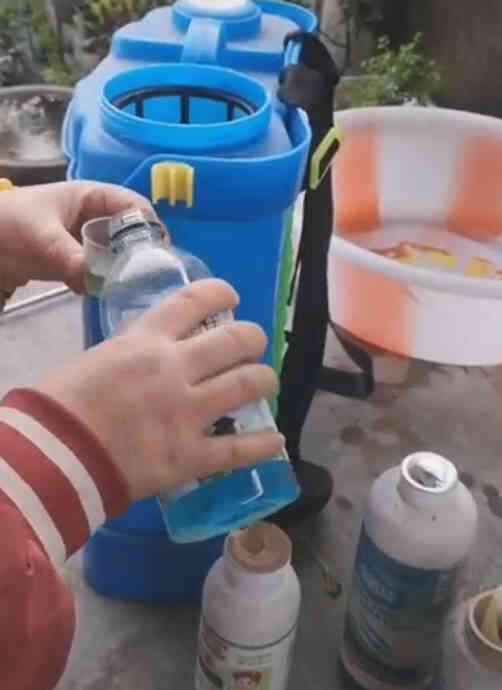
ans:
(184, 110)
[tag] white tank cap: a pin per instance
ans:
(218, 7)
(429, 472)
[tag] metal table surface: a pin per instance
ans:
(456, 412)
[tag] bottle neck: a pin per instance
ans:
(418, 498)
(241, 579)
(425, 480)
(151, 235)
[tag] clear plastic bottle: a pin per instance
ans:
(144, 271)
(250, 609)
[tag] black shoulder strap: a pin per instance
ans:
(348, 383)
(310, 85)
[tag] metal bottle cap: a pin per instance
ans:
(429, 472)
(127, 220)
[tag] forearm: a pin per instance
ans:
(57, 485)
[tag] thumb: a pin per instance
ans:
(64, 260)
(93, 200)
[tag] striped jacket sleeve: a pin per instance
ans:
(57, 485)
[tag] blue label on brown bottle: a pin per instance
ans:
(395, 616)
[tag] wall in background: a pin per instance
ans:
(466, 39)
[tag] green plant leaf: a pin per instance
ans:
(106, 16)
(397, 76)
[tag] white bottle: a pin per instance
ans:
(418, 528)
(250, 608)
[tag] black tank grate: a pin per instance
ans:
(139, 97)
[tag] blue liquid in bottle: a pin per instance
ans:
(145, 270)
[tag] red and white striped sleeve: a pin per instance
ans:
(57, 485)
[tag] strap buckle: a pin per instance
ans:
(323, 157)
(310, 85)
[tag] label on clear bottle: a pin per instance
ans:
(252, 417)
(222, 665)
(93, 284)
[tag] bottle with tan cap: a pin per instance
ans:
(250, 610)
(419, 526)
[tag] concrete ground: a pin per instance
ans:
(456, 412)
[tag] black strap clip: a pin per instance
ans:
(310, 85)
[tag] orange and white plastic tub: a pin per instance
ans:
(419, 177)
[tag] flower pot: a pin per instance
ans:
(31, 118)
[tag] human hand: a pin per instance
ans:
(151, 393)
(40, 228)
